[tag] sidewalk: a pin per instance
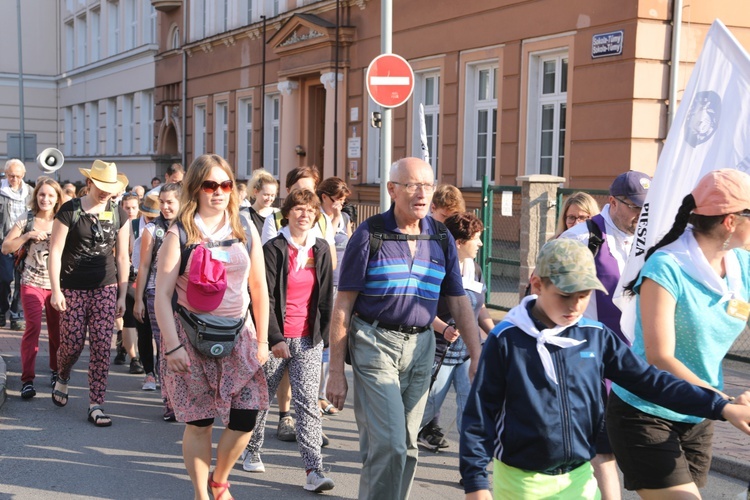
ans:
(731, 448)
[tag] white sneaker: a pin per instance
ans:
(149, 383)
(253, 463)
(317, 482)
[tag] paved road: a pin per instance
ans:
(54, 453)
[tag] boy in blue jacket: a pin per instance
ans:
(535, 404)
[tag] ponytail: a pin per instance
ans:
(678, 227)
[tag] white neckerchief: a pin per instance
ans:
(469, 277)
(688, 254)
(520, 316)
(220, 234)
(19, 195)
(302, 250)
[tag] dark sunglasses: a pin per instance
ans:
(210, 187)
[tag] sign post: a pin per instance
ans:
(390, 83)
(386, 134)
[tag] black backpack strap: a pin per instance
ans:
(29, 222)
(376, 225)
(595, 237)
(185, 249)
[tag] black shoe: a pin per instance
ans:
(136, 367)
(18, 326)
(120, 357)
(28, 391)
(432, 438)
(3, 321)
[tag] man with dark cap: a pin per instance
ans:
(609, 236)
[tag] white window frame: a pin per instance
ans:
(175, 42)
(149, 22)
(131, 24)
(223, 13)
(431, 114)
(201, 23)
(272, 115)
(199, 130)
(245, 138)
(79, 126)
(373, 143)
(68, 131)
(128, 117)
(147, 122)
(93, 128)
(96, 34)
(558, 99)
(475, 106)
(113, 25)
(81, 41)
(221, 128)
(112, 123)
(250, 12)
(70, 46)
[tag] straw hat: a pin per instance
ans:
(150, 206)
(104, 176)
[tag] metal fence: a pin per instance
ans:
(500, 253)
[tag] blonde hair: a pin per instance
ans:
(582, 200)
(198, 171)
(260, 178)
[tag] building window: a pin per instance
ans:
(480, 123)
(175, 43)
(113, 24)
(70, 47)
(426, 92)
(147, 122)
(112, 126)
(222, 16)
(373, 144)
(245, 138)
(80, 129)
(131, 24)
(548, 94)
(96, 34)
(272, 131)
(128, 120)
(221, 130)
(81, 40)
(68, 131)
(149, 22)
(202, 19)
(94, 128)
(199, 138)
(250, 11)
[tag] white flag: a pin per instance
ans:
(711, 130)
(423, 135)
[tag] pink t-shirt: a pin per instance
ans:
(300, 285)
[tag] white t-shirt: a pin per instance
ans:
(270, 231)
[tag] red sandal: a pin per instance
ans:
(224, 487)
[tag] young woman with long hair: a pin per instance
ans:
(35, 285)
(201, 388)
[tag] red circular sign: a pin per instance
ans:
(390, 80)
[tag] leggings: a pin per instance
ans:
(239, 420)
(304, 377)
(35, 299)
(156, 333)
(93, 310)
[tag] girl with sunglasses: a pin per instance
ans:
(201, 388)
(88, 270)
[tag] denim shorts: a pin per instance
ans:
(655, 453)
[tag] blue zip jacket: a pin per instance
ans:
(518, 415)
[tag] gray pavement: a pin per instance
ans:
(50, 452)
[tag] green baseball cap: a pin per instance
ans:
(570, 266)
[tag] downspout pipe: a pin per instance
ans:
(183, 117)
(675, 60)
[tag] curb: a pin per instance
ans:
(731, 467)
(3, 379)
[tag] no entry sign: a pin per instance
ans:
(390, 80)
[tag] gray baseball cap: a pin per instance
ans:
(570, 266)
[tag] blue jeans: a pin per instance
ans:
(10, 297)
(458, 376)
(391, 378)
